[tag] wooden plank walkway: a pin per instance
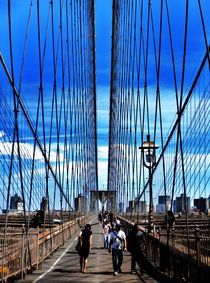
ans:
(64, 265)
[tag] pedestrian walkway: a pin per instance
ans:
(64, 266)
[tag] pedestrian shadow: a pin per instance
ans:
(100, 272)
(98, 248)
(72, 252)
(140, 277)
(66, 270)
(98, 233)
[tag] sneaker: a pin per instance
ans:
(116, 273)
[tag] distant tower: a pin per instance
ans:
(164, 204)
(121, 207)
(16, 203)
(44, 204)
(78, 203)
(202, 204)
(180, 203)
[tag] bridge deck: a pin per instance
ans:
(64, 266)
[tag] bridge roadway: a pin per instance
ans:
(64, 265)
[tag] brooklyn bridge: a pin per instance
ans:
(104, 110)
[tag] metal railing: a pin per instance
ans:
(174, 255)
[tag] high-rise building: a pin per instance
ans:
(16, 203)
(202, 204)
(121, 207)
(180, 203)
(164, 204)
(131, 205)
(44, 204)
(140, 206)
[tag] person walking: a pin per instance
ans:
(106, 232)
(117, 244)
(135, 239)
(85, 238)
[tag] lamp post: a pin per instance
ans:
(148, 149)
(84, 198)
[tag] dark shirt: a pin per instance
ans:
(135, 239)
(86, 238)
(85, 249)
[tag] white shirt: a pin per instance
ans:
(107, 229)
(117, 243)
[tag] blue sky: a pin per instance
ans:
(103, 28)
(103, 25)
(195, 53)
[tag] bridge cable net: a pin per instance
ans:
(160, 97)
(48, 143)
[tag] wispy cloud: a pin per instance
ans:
(102, 152)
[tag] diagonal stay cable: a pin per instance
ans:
(184, 105)
(204, 29)
(22, 106)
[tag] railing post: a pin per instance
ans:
(23, 252)
(198, 245)
(173, 237)
(69, 228)
(37, 249)
(159, 232)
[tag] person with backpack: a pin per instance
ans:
(118, 244)
(85, 239)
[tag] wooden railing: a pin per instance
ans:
(22, 251)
